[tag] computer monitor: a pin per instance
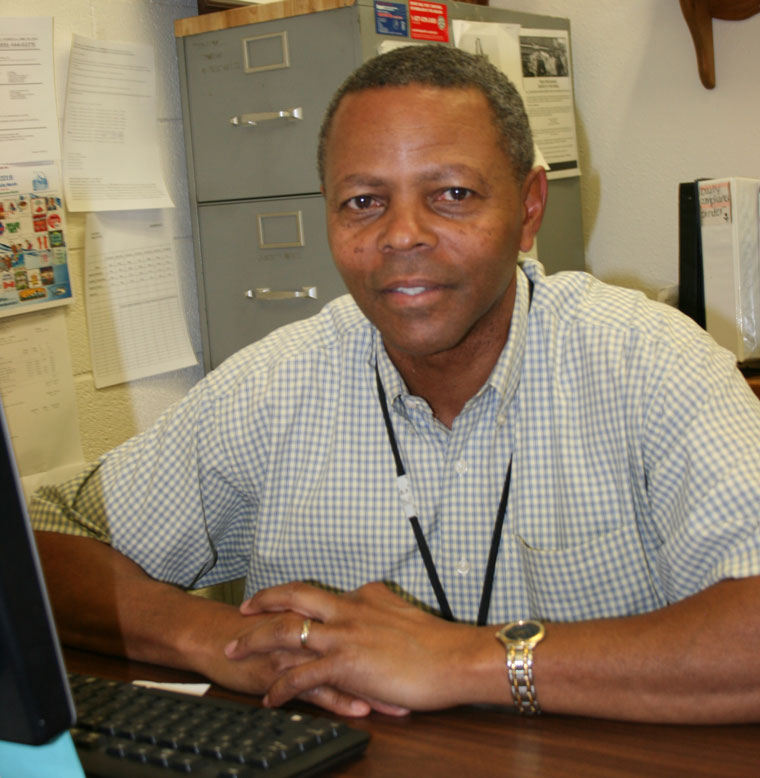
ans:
(35, 703)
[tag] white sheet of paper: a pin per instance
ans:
(548, 85)
(28, 118)
(135, 318)
(194, 689)
(500, 43)
(110, 142)
(38, 395)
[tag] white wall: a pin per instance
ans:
(646, 123)
(109, 416)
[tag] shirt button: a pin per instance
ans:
(461, 467)
(501, 419)
(463, 567)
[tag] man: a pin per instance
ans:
(491, 444)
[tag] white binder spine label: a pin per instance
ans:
(715, 203)
(731, 263)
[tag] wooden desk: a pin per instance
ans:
(472, 742)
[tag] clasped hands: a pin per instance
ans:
(365, 650)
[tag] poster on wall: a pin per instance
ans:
(428, 21)
(500, 44)
(34, 267)
(548, 90)
(134, 308)
(111, 160)
(29, 126)
(38, 394)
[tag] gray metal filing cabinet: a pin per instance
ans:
(254, 83)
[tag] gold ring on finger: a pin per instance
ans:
(305, 627)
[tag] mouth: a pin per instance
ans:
(412, 295)
(411, 287)
(411, 291)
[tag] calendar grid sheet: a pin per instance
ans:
(135, 316)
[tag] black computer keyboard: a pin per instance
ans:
(128, 731)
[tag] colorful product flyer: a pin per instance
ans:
(34, 270)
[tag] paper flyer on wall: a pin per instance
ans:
(110, 136)
(38, 394)
(28, 117)
(34, 262)
(548, 89)
(135, 317)
(34, 271)
(500, 43)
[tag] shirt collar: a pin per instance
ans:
(505, 376)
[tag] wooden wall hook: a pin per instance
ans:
(699, 15)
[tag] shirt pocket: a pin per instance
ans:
(605, 576)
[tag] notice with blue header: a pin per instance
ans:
(391, 19)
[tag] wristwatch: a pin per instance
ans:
(520, 638)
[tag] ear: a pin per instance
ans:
(534, 192)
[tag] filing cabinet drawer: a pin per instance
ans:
(280, 75)
(265, 263)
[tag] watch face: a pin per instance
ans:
(523, 630)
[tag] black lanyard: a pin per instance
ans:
(406, 499)
(427, 557)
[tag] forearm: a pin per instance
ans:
(696, 661)
(105, 602)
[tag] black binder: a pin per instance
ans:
(691, 286)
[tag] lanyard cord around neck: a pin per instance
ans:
(405, 493)
(406, 498)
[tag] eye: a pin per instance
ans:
(361, 202)
(456, 193)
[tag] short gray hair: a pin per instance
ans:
(451, 68)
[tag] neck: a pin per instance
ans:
(448, 379)
(446, 391)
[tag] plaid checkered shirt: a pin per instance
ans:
(635, 480)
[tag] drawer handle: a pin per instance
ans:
(252, 119)
(265, 293)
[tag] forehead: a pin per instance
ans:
(404, 124)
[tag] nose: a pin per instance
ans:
(406, 225)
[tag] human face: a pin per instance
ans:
(425, 217)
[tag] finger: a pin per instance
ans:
(298, 597)
(334, 700)
(297, 681)
(292, 684)
(271, 632)
(387, 708)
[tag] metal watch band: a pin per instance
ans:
(520, 674)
